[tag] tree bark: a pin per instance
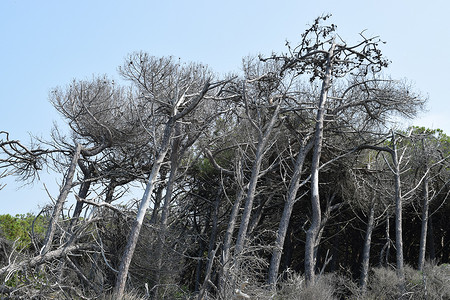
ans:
(82, 193)
(313, 231)
(430, 243)
(366, 249)
(398, 212)
(158, 198)
(384, 254)
(294, 185)
(424, 228)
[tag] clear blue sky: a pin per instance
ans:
(48, 43)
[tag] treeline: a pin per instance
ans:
(283, 182)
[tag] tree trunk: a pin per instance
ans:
(158, 198)
(174, 161)
(82, 193)
(424, 228)
(366, 249)
(384, 254)
(215, 221)
(61, 200)
(109, 197)
(225, 259)
(211, 247)
(430, 243)
(313, 231)
(145, 202)
(198, 268)
(294, 185)
(257, 214)
(263, 139)
(398, 212)
(288, 250)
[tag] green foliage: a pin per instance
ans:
(20, 227)
(204, 167)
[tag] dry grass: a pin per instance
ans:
(295, 288)
(432, 283)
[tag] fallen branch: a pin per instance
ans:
(42, 258)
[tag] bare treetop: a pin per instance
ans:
(311, 54)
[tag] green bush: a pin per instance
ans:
(20, 227)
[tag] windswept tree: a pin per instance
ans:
(169, 93)
(326, 59)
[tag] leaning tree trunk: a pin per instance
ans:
(313, 231)
(61, 200)
(145, 203)
(366, 249)
(294, 185)
(261, 148)
(226, 248)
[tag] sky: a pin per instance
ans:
(48, 43)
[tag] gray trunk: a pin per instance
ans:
(294, 185)
(430, 239)
(424, 229)
(366, 249)
(158, 199)
(225, 259)
(61, 200)
(82, 193)
(211, 246)
(384, 254)
(174, 158)
(313, 231)
(145, 202)
(263, 139)
(398, 213)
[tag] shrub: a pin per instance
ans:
(432, 283)
(130, 295)
(20, 227)
(295, 288)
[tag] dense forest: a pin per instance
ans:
(292, 180)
